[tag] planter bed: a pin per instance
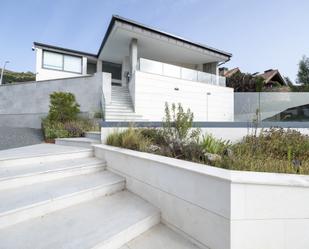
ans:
(218, 208)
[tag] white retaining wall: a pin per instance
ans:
(151, 91)
(217, 208)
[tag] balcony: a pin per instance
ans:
(164, 69)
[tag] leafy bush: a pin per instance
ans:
(156, 136)
(77, 128)
(54, 130)
(63, 107)
(177, 124)
(213, 145)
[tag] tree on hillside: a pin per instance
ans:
(303, 71)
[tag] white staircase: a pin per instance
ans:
(67, 199)
(121, 107)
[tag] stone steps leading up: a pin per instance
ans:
(41, 153)
(22, 175)
(121, 107)
(45, 197)
(106, 222)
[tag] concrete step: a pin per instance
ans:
(77, 142)
(20, 204)
(112, 107)
(96, 135)
(122, 105)
(42, 153)
(126, 120)
(160, 237)
(114, 112)
(123, 115)
(23, 175)
(106, 222)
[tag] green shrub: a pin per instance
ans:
(129, 139)
(274, 150)
(54, 130)
(177, 124)
(77, 128)
(155, 135)
(213, 145)
(63, 107)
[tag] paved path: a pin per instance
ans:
(17, 137)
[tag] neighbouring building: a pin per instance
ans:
(272, 77)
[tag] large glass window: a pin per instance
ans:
(52, 60)
(72, 64)
(63, 62)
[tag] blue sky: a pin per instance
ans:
(260, 34)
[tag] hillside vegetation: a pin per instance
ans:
(12, 77)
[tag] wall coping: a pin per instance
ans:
(44, 81)
(233, 176)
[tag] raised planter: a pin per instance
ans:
(218, 208)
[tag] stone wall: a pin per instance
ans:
(25, 104)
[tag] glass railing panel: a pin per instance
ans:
(150, 66)
(288, 106)
(246, 107)
(189, 74)
(222, 81)
(171, 70)
(204, 77)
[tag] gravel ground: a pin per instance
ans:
(18, 137)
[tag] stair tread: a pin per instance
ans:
(160, 236)
(82, 226)
(27, 196)
(79, 139)
(38, 150)
(11, 172)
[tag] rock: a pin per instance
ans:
(213, 157)
(228, 152)
(154, 148)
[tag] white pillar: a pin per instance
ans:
(99, 66)
(133, 56)
(125, 69)
(84, 70)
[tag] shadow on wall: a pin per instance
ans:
(18, 137)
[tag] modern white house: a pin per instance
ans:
(141, 68)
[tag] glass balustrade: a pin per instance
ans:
(155, 67)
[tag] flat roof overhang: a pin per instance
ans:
(64, 50)
(154, 44)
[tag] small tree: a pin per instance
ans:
(303, 71)
(63, 107)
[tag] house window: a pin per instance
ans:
(62, 62)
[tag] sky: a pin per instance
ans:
(260, 34)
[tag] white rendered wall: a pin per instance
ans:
(218, 208)
(152, 91)
(188, 200)
(49, 74)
